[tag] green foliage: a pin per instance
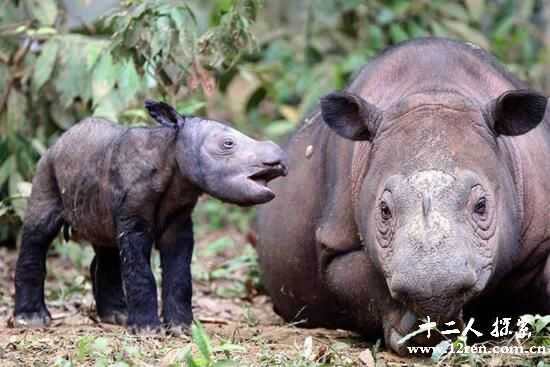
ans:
(540, 329)
(165, 39)
(51, 77)
(270, 64)
(212, 214)
(306, 355)
(207, 356)
(242, 272)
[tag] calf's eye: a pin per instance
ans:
(228, 143)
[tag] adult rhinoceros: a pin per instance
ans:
(423, 189)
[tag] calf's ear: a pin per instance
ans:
(164, 114)
(350, 115)
(516, 112)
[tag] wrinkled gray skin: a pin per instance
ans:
(125, 189)
(449, 217)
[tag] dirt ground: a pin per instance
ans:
(239, 322)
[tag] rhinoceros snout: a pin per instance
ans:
(434, 293)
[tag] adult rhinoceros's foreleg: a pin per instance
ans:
(546, 288)
(106, 278)
(135, 244)
(42, 223)
(176, 251)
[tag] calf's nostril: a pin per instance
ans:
(272, 162)
(277, 164)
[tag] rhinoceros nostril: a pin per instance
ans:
(277, 165)
(403, 289)
(468, 282)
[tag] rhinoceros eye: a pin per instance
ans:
(385, 211)
(228, 143)
(481, 206)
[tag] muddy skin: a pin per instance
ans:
(125, 190)
(422, 190)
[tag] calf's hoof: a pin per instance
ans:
(177, 329)
(115, 318)
(145, 329)
(32, 319)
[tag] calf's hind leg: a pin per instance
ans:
(42, 222)
(107, 286)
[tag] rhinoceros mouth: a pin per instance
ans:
(266, 174)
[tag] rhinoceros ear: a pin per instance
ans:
(350, 115)
(516, 112)
(164, 114)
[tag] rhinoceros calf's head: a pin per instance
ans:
(438, 209)
(220, 160)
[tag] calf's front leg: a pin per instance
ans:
(135, 243)
(176, 251)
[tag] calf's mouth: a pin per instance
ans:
(268, 173)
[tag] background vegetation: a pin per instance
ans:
(259, 64)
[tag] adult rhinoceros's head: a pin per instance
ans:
(438, 208)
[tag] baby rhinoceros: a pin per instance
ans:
(125, 189)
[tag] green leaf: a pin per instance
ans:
(45, 11)
(3, 209)
(201, 340)
(385, 16)
(467, 33)
(190, 107)
(72, 80)
(279, 128)
(45, 64)
(397, 33)
(104, 77)
(162, 38)
(228, 347)
(190, 360)
(225, 363)
(38, 146)
(129, 81)
(5, 76)
(375, 37)
(455, 11)
(16, 110)
(504, 27)
(110, 106)
(101, 345)
(438, 30)
(476, 8)
(13, 183)
(93, 51)
(6, 169)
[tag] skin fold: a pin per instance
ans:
(125, 190)
(421, 190)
